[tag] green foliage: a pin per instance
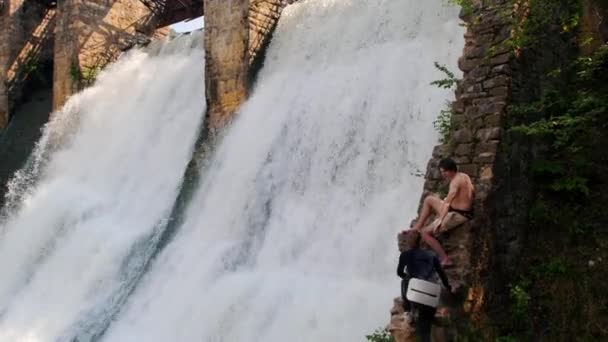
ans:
(594, 67)
(449, 82)
(380, 335)
(443, 125)
(30, 68)
(531, 24)
(560, 294)
(466, 5)
(569, 120)
(553, 269)
(88, 75)
(84, 76)
(559, 176)
(472, 332)
(542, 18)
(74, 73)
(521, 302)
(572, 120)
(571, 184)
(507, 339)
(540, 213)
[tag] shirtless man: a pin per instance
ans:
(454, 210)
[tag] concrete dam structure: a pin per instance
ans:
(71, 41)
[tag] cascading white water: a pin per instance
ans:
(291, 236)
(89, 207)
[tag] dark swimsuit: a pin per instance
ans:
(469, 214)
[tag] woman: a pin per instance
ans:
(421, 264)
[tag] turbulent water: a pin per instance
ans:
(85, 213)
(291, 235)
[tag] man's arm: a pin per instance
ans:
(401, 266)
(442, 275)
(454, 187)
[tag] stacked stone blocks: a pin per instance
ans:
(478, 127)
(478, 118)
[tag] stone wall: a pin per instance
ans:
(486, 251)
(478, 118)
(92, 33)
(478, 129)
(26, 45)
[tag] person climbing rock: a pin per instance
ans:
(451, 212)
(421, 264)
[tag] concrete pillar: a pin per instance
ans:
(227, 58)
(236, 35)
(65, 54)
(8, 50)
(26, 29)
(92, 33)
(4, 51)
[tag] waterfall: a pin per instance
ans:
(291, 235)
(85, 214)
(291, 231)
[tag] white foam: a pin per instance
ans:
(98, 188)
(292, 233)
